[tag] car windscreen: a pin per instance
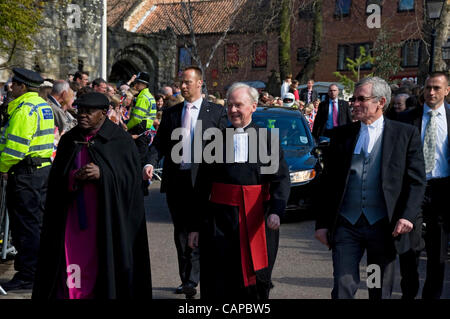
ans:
(292, 129)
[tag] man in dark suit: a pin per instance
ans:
(433, 121)
(308, 94)
(194, 115)
(368, 206)
(331, 113)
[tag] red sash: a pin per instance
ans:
(252, 232)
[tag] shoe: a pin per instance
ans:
(17, 284)
(179, 289)
(189, 290)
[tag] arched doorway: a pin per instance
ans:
(131, 60)
(122, 71)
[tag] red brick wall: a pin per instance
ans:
(346, 30)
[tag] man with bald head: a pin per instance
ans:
(332, 112)
(238, 229)
(433, 121)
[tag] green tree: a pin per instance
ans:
(387, 61)
(19, 21)
(284, 41)
(354, 66)
(310, 64)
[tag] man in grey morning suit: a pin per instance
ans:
(368, 207)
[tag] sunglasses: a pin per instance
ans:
(361, 98)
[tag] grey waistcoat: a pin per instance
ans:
(364, 193)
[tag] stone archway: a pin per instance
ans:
(131, 60)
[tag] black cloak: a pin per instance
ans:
(123, 261)
(220, 260)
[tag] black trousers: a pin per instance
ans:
(180, 199)
(349, 243)
(436, 235)
(26, 193)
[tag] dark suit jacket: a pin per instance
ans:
(304, 95)
(320, 122)
(211, 115)
(402, 175)
(414, 117)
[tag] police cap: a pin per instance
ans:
(27, 77)
(93, 100)
(142, 77)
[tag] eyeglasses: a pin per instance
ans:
(361, 98)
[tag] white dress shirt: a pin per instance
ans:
(441, 169)
(368, 136)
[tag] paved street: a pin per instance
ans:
(303, 269)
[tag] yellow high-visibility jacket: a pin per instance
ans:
(145, 109)
(28, 132)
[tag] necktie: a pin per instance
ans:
(187, 135)
(335, 114)
(429, 142)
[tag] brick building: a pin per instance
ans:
(248, 55)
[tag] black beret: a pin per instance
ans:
(143, 77)
(93, 100)
(27, 77)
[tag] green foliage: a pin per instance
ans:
(354, 66)
(387, 59)
(19, 21)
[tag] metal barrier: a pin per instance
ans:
(4, 226)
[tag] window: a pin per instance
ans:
(342, 8)
(302, 54)
(232, 55)
(352, 51)
(411, 53)
(306, 11)
(259, 54)
(405, 5)
(184, 59)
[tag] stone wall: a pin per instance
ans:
(70, 39)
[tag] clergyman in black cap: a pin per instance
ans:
(94, 238)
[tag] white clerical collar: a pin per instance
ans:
(242, 129)
(440, 109)
(378, 124)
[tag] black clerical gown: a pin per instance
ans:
(221, 274)
(123, 260)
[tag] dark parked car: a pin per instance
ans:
(299, 150)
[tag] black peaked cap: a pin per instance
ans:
(28, 77)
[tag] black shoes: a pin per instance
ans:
(188, 289)
(17, 284)
(179, 289)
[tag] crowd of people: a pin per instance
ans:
(78, 155)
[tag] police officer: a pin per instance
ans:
(145, 107)
(25, 148)
(143, 113)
